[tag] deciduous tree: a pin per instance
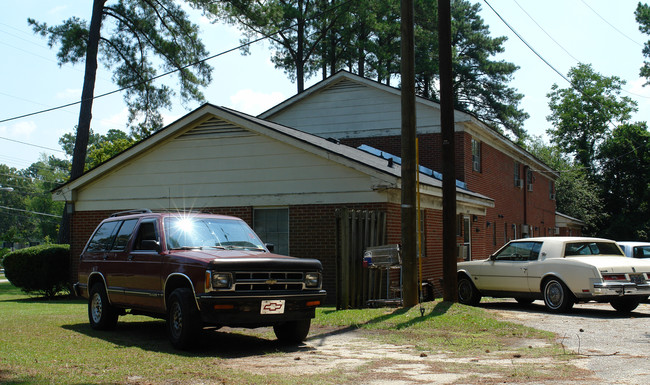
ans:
(584, 113)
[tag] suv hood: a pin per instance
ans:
(236, 259)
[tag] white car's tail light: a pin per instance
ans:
(614, 277)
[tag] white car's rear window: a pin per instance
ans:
(591, 248)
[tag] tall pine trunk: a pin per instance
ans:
(85, 111)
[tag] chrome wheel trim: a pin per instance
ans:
(176, 319)
(464, 290)
(96, 308)
(554, 294)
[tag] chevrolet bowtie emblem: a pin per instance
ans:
(271, 281)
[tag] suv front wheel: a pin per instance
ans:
(183, 319)
(101, 314)
(292, 332)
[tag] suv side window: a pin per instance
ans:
(124, 234)
(103, 238)
(146, 232)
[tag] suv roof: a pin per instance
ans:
(147, 212)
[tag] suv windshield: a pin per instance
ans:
(592, 248)
(204, 232)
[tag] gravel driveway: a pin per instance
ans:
(605, 348)
(615, 347)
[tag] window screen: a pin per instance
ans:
(272, 226)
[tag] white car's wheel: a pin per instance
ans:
(557, 296)
(467, 292)
(625, 305)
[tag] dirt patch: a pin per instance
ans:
(331, 351)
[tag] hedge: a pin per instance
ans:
(42, 270)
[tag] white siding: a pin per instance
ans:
(226, 166)
(349, 109)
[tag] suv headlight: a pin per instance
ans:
(312, 280)
(218, 280)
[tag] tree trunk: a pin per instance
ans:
(85, 111)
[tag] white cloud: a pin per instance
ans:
(116, 121)
(636, 87)
(69, 94)
(254, 103)
(19, 131)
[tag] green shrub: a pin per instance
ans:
(42, 270)
(3, 252)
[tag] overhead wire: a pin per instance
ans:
(148, 80)
(573, 85)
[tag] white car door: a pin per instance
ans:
(508, 269)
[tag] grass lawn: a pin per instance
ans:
(45, 341)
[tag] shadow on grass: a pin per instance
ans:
(439, 309)
(222, 343)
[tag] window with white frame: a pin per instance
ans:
(518, 181)
(476, 155)
(551, 190)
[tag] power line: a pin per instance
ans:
(547, 34)
(30, 212)
(30, 144)
(611, 25)
(573, 85)
(248, 43)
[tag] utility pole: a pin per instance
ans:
(409, 167)
(449, 264)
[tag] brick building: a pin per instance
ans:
(357, 111)
(297, 190)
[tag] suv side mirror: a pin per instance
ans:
(150, 244)
(270, 247)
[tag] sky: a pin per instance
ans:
(603, 33)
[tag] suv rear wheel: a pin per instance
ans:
(101, 314)
(183, 319)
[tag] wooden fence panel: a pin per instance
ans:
(356, 230)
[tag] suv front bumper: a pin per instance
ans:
(245, 310)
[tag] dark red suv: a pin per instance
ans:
(194, 270)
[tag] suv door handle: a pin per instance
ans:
(130, 258)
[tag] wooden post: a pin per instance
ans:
(409, 225)
(449, 289)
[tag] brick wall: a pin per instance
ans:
(513, 206)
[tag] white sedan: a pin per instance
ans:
(635, 249)
(559, 270)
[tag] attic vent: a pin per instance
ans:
(215, 127)
(343, 86)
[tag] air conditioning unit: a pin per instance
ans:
(530, 187)
(519, 183)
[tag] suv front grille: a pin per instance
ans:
(266, 281)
